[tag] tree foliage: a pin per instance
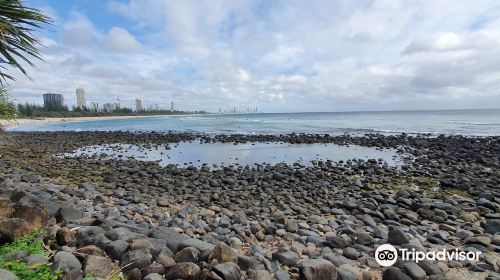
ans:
(18, 44)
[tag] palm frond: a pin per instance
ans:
(17, 42)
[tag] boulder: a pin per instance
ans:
(65, 236)
(288, 258)
(430, 268)
(414, 271)
(201, 245)
(13, 228)
(153, 276)
(492, 226)
(188, 254)
(99, 266)
(116, 249)
(397, 237)
(318, 269)
(223, 253)
(36, 216)
(6, 209)
(154, 268)
(136, 259)
(228, 271)
(394, 273)
(187, 271)
(68, 214)
(7, 275)
(65, 261)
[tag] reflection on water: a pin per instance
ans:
(192, 153)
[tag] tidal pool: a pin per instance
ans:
(225, 154)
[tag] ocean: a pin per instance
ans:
(483, 122)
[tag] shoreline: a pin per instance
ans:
(34, 121)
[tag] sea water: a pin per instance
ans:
(464, 122)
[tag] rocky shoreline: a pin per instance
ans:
(262, 222)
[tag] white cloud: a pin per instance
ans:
(79, 31)
(119, 39)
(282, 56)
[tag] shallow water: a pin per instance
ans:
(224, 154)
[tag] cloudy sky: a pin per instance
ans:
(281, 56)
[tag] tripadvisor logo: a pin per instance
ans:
(387, 255)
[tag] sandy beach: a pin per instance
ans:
(58, 120)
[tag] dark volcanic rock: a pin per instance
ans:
(228, 271)
(318, 269)
(223, 253)
(136, 259)
(13, 228)
(397, 237)
(188, 271)
(394, 273)
(68, 214)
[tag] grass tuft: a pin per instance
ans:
(30, 244)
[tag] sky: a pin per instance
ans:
(279, 56)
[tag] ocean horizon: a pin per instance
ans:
(469, 122)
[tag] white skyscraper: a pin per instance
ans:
(80, 98)
(138, 105)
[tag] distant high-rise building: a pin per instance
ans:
(53, 101)
(138, 105)
(80, 98)
(172, 106)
